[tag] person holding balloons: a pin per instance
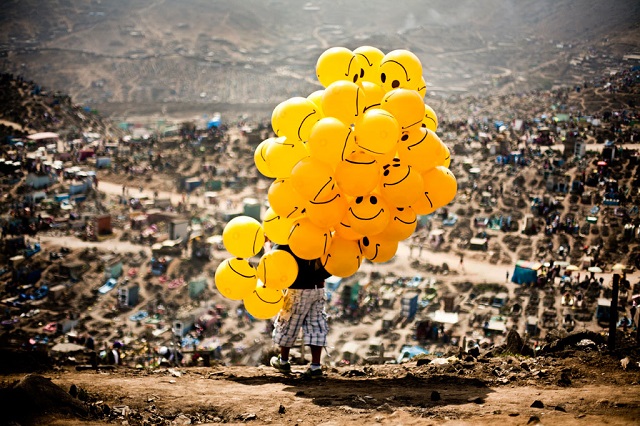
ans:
(303, 308)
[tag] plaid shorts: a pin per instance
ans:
(302, 309)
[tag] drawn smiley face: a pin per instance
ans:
(369, 59)
(235, 278)
(327, 213)
(309, 241)
(264, 302)
(368, 215)
(439, 189)
(430, 120)
(358, 174)
(400, 185)
(343, 258)
(378, 250)
(402, 224)
(400, 68)
(294, 118)
(406, 106)
(337, 64)
(421, 148)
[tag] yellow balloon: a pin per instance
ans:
(313, 179)
(430, 120)
(343, 258)
(439, 189)
(378, 250)
(378, 132)
(400, 185)
(277, 227)
(282, 154)
(284, 199)
(243, 236)
(373, 94)
(309, 241)
(369, 214)
(447, 159)
(369, 59)
(235, 278)
(295, 118)
(337, 64)
(329, 212)
(422, 88)
(406, 106)
(331, 141)
(344, 230)
(402, 224)
(274, 117)
(400, 68)
(316, 98)
(345, 101)
(260, 158)
(264, 302)
(422, 149)
(358, 174)
(277, 269)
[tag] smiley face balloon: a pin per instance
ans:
(277, 227)
(284, 199)
(369, 214)
(358, 174)
(422, 149)
(243, 236)
(343, 258)
(235, 278)
(400, 185)
(377, 133)
(430, 120)
(264, 302)
(331, 141)
(313, 179)
(309, 241)
(295, 118)
(338, 64)
(260, 158)
(345, 101)
(402, 224)
(439, 189)
(406, 106)
(369, 58)
(282, 154)
(400, 68)
(277, 269)
(378, 250)
(329, 212)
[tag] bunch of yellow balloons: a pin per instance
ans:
(353, 165)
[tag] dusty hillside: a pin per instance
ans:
(572, 387)
(157, 56)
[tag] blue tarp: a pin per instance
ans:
(525, 272)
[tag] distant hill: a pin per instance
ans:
(26, 108)
(126, 56)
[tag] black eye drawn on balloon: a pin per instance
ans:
(359, 199)
(383, 77)
(386, 172)
(373, 200)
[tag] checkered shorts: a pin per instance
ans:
(302, 309)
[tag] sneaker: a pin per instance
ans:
(313, 374)
(283, 367)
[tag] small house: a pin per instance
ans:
(128, 296)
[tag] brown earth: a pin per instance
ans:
(573, 387)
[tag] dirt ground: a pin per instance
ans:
(573, 387)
